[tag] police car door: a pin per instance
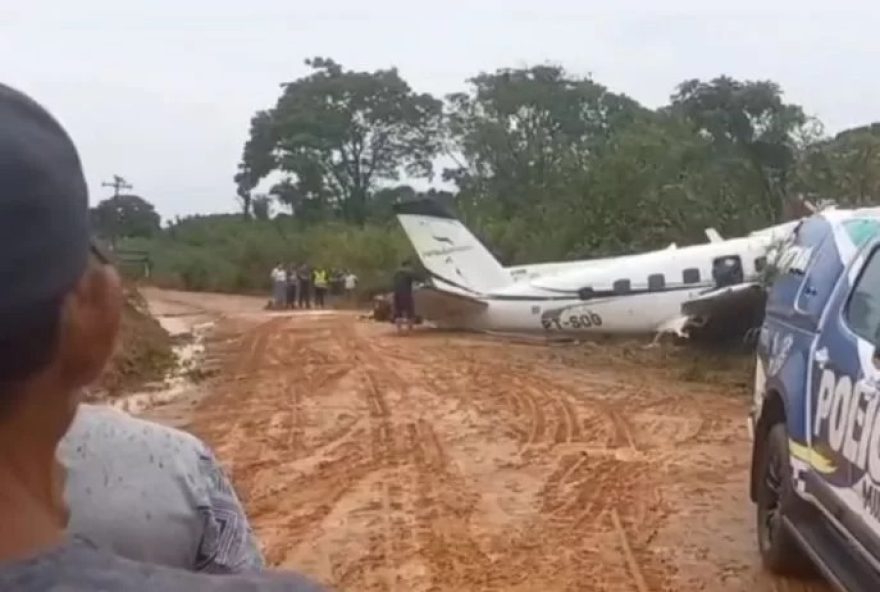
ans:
(845, 444)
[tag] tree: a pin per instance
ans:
(845, 168)
(262, 206)
(125, 216)
(751, 120)
(257, 159)
(336, 133)
(528, 132)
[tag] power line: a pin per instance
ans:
(117, 184)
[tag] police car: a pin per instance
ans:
(816, 412)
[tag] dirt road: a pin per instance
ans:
(447, 462)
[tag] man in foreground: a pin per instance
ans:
(60, 306)
(153, 493)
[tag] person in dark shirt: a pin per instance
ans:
(304, 285)
(60, 308)
(291, 286)
(404, 306)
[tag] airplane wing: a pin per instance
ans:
(725, 299)
(719, 308)
(728, 311)
(440, 305)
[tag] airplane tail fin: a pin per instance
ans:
(453, 256)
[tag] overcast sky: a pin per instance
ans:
(161, 91)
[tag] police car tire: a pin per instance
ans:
(780, 552)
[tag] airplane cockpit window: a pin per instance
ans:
(727, 271)
(621, 286)
(656, 281)
(586, 293)
(691, 275)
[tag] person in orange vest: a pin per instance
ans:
(321, 282)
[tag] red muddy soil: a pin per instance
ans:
(437, 461)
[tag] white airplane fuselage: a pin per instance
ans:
(590, 296)
(640, 293)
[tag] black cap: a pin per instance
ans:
(44, 218)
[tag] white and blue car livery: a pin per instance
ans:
(816, 410)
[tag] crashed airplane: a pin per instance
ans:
(668, 290)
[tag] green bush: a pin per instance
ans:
(225, 253)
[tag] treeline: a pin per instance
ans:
(544, 164)
(551, 165)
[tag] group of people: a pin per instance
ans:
(301, 286)
(91, 498)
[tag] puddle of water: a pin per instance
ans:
(177, 382)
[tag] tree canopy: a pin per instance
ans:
(546, 164)
(125, 216)
(336, 133)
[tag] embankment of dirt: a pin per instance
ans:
(144, 354)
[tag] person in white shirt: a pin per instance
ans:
(153, 493)
(351, 281)
(279, 287)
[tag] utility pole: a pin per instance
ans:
(117, 184)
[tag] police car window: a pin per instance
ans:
(863, 308)
(656, 281)
(861, 230)
(621, 286)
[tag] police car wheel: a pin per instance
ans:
(780, 552)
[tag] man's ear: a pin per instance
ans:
(90, 325)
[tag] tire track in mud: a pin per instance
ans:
(391, 542)
(285, 367)
(441, 502)
(375, 476)
(585, 486)
(443, 508)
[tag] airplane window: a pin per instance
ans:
(585, 293)
(760, 264)
(656, 281)
(727, 271)
(691, 275)
(621, 286)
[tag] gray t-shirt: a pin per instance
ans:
(78, 566)
(153, 493)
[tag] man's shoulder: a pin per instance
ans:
(78, 566)
(102, 422)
